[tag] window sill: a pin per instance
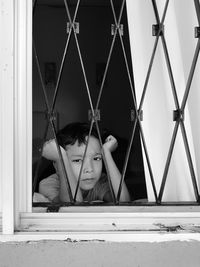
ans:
(110, 224)
(114, 220)
(104, 236)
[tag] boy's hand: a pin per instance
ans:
(50, 150)
(110, 143)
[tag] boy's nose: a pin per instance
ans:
(88, 167)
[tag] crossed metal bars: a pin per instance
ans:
(137, 108)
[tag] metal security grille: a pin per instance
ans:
(72, 29)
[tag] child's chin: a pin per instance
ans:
(88, 185)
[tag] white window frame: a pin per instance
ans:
(115, 223)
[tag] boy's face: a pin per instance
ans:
(92, 165)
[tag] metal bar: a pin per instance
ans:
(166, 53)
(135, 105)
(168, 161)
(35, 178)
(197, 7)
(60, 72)
(79, 177)
(156, 11)
(128, 72)
(40, 76)
(133, 203)
(84, 75)
(65, 52)
(145, 87)
(157, 14)
(140, 108)
(170, 72)
(50, 112)
(106, 165)
(174, 96)
(62, 162)
(191, 74)
(109, 57)
(126, 161)
(105, 71)
(182, 124)
(117, 24)
(79, 52)
(148, 73)
(148, 162)
(189, 158)
(154, 48)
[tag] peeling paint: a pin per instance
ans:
(171, 229)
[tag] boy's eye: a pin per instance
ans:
(98, 158)
(77, 160)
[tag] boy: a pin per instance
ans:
(82, 157)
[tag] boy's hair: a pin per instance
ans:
(77, 131)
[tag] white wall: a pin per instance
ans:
(100, 254)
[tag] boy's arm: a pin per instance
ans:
(50, 151)
(115, 175)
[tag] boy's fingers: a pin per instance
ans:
(109, 138)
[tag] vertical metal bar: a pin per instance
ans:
(191, 74)
(60, 72)
(106, 165)
(154, 49)
(176, 104)
(148, 74)
(168, 161)
(109, 55)
(189, 158)
(157, 14)
(148, 163)
(90, 100)
(166, 54)
(126, 61)
(132, 85)
(62, 162)
(84, 75)
(197, 7)
(81, 169)
(65, 51)
(146, 83)
(126, 161)
(35, 178)
(185, 97)
(79, 52)
(134, 100)
(106, 70)
(41, 79)
(170, 72)
(182, 123)
(51, 122)
(120, 14)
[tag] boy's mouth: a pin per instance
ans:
(88, 179)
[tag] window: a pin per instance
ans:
(80, 71)
(16, 135)
(170, 171)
